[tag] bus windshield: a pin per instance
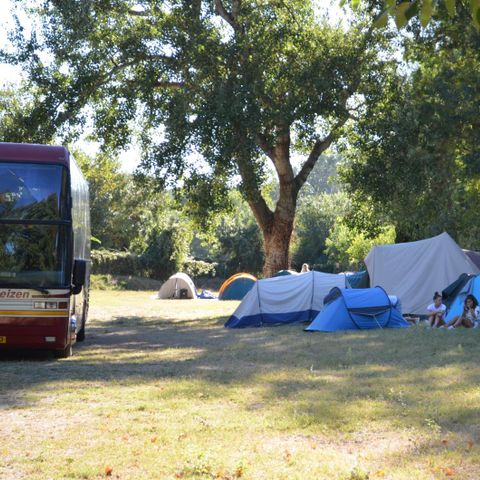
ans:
(34, 219)
(33, 255)
(32, 191)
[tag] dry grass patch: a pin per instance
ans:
(160, 389)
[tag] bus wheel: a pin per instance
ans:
(65, 353)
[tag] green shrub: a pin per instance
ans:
(166, 251)
(199, 268)
(116, 263)
(123, 282)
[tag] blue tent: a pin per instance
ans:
(236, 287)
(359, 279)
(472, 287)
(357, 309)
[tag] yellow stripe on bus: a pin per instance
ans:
(35, 313)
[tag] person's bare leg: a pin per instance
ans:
(437, 320)
(451, 323)
(458, 323)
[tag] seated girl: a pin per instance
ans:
(470, 315)
(436, 311)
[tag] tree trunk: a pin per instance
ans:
(277, 246)
(277, 228)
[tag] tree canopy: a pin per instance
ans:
(414, 156)
(215, 91)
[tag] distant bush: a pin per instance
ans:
(166, 251)
(116, 263)
(122, 282)
(199, 268)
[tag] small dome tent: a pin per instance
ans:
(179, 285)
(236, 287)
(357, 309)
(284, 299)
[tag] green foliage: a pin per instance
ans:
(323, 178)
(214, 93)
(235, 241)
(241, 246)
(414, 155)
(347, 248)
(167, 250)
(111, 217)
(199, 268)
(123, 282)
(116, 263)
(317, 215)
(424, 10)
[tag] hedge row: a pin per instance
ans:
(111, 262)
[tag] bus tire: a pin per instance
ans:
(64, 353)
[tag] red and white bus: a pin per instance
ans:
(44, 248)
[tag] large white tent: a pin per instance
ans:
(179, 285)
(415, 271)
(285, 299)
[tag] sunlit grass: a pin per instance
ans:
(160, 389)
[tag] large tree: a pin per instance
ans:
(415, 159)
(217, 90)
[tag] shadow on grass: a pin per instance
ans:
(326, 377)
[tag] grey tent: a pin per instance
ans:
(414, 271)
(179, 285)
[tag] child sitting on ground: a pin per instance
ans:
(470, 315)
(436, 311)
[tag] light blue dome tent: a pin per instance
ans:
(471, 287)
(357, 309)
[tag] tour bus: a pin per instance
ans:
(44, 248)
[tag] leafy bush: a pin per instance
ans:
(316, 217)
(199, 268)
(116, 263)
(166, 251)
(349, 247)
(122, 282)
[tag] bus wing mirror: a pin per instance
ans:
(79, 274)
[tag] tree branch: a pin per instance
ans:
(222, 11)
(175, 85)
(264, 145)
(319, 147)
(254, 197)
(322, 144)
(138, 13)
(235, 8)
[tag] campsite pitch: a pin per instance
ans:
(160, 390)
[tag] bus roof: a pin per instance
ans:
(26, 152)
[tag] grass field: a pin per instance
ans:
(160, 390)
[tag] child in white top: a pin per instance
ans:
(436, 311)
(470, 315)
